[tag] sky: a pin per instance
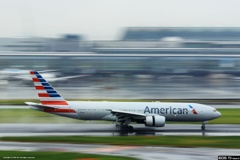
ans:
(107, 19)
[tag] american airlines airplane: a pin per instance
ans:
(123, 113)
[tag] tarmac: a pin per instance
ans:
(140, 152)
(90, 129)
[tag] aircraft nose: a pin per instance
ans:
(218, 114)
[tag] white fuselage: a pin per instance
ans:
(171, 111)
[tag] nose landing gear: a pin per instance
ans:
(203, 125)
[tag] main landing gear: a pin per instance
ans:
(124, 125)
(127, 128)
(203, 125)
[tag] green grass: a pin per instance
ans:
(229, 116)
(43, 155)
(33, 116)
(169, 141)
(16, 101)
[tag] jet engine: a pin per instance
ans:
(155, 121)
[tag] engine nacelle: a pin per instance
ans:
(155, 121)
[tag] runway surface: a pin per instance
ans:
(141, 152)
(112, 130)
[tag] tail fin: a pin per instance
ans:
(47, 94)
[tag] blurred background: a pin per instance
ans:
(129, 52)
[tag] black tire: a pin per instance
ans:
(124, 127)
(203, 127)
(130, 128)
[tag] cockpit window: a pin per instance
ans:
(214, 110)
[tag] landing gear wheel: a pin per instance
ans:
(130, 128)
(203, 125)
(127, 128)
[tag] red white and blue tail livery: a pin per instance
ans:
(51, 100)
(47, 94)
(148, 113)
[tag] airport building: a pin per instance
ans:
(66, 43)
(157, 51)
(186, 33)
(145, 64)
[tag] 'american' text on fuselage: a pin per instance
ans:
(169, 110)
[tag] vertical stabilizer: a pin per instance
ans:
(47, 94)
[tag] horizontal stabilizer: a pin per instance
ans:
(49, 109)
(40, 106)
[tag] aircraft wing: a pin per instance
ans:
(126, 113)
(123, 116)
